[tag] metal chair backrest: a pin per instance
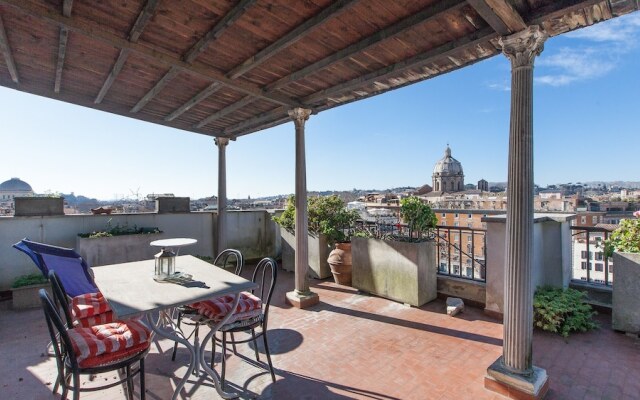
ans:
(267, 271)
(60, 297)
(58, 332)
(232, 255)
(72, 270)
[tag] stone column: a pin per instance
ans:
(221, 231)
(301, 297)
(514, 369)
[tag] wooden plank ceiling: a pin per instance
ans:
(229, 68)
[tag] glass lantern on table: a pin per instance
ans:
(165, 264)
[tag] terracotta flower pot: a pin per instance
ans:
(340, 262)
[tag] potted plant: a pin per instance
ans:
(24, 291)
(117, 244)
(328, 219)
(624, 246)
(400, 267)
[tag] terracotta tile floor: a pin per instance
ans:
(351, 346)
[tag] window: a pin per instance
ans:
(583, 220)
(468, 248)
(469, 272)
(599, 256)
(470, 225)
(444, 215)
(456, 269)
(469, 238)
(456, 224)
(583, 254)
(456, 238)
(599, 267)
(594, 219)
(469, 216)
(610, 269)
(583, 265)
(456, 215)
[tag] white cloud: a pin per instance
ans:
(502, 86)
(606, 43)
(569, 65)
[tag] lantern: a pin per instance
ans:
(165, 264)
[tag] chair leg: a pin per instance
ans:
(213, 350)
(129, 383)
(56, 385)
(175, 345)
(142, 386)
(255, 344)
(76, 385)
(224, 359)
(233, 344)
(266, 350)
(64, 381)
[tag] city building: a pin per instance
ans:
(13, 188)
(447, 174)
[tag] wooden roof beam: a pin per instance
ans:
(172, 73)
(500, 15)
(67, 5)
(293, 36)
(201, 46)
(143, 19)
(558, 9)
(208, 91)
(62, 51)
(423, 16)
(427, 14)
(6, 52)
(419, 60)
(225, 111)
(217, 30)
(134, 34)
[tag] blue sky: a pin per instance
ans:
(586, 127)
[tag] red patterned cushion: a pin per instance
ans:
(88, 305)
(99, 319)
(216, 309)
(103, 344)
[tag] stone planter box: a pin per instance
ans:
(38, 206)
(27, 296)
(117, 249)
(319, 251)
(625, 313)
(400, 271)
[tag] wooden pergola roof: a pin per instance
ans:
(229, 68)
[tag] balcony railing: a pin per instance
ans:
(589, 263)
(461, 251)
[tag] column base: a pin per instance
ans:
(516, 386)
(302, 300)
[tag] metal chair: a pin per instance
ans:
(72, 365)
(267, 271)
(222, 260)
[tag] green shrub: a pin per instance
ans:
(327, 215)
(119, 231)
(28, 280)
(562, 311)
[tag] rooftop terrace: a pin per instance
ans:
(352, 346)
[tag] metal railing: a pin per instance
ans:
(589, 262)
(461, 251)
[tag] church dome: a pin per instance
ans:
(15, 185)
(448, 165)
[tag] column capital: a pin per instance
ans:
(221, 141)
(523, 47)
(299, 115)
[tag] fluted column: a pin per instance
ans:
(302, 296)
(521, 49)
(222, 193)
(515, 369)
